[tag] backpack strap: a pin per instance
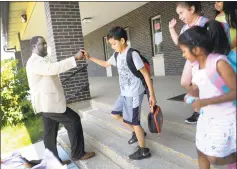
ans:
(232, 59)
(134, 70)
(212, 72)
(203, 21)
(116, 56)
(131, 64)
(226, 27)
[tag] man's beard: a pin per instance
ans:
(43, 53)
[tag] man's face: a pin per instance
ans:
(41, 47)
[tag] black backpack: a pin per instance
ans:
(132, 66)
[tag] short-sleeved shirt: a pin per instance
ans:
(130, 85)
(200, 22)
(208, 90)
(232, 31)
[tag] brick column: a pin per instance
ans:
(65, 39)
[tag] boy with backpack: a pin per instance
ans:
(134, 78)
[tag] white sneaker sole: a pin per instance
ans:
(188, 122)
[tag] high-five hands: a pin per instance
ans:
(79, 55)
(86, 54)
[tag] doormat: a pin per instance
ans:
(179, 98)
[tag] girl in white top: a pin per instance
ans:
(189, 13)
(216, 126)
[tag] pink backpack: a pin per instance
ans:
(213, 75)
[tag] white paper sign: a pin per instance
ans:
(158, 38)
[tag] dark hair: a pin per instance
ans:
(117, 33)
(34, 40)
(211, 37)
(189, 4)
(229, 8)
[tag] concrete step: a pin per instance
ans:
(98, 162)
(82, 106)
(178, 128)
(168, 146)
(176, 137)
(111, 151)
(115, 147)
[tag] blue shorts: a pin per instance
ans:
(129, 108)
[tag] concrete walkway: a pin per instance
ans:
(106, 90)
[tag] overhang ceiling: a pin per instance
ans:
(16, 9)
(101, 13)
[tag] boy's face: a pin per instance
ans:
(117, 45)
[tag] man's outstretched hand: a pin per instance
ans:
(79, 55)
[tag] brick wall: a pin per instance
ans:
(138, 22)
(208, 9)
(65, 40)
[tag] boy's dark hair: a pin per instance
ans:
(117, 33)
(34, 40)
(212, 38)
(189, 4)
(229, 8)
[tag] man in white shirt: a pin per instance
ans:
(48, 98)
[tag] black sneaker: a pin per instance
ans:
(193, 119)
(140, 154)
(134, 138)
